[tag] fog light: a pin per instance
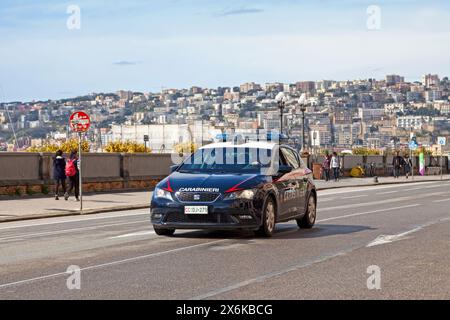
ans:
(245, 217)
(157, 216)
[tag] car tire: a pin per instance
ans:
(268, 219)
(309, 219)
(164, 231)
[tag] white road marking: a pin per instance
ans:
(354, 197)
(369, 212)
(327, 199)
(49, 233)
(384, 201)
(295, 267)
(351, 189)
(267, 276)
(385, 239)
(117, 262)
(135, 234)
(442, 200)
(74, 220)
(387, 192)
(364, 204)
(426, 187)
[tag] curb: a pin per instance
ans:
(381, 183)
(74, 213)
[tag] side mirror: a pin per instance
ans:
(173, 168)
(283, 169)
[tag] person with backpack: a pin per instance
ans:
(335, 166)
(59, 173)
(397, 163)
(326, 166)
(408, 165)
(74, 175)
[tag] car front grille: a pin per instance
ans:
(176, 217)
(197, 196)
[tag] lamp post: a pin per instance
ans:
(302, 103)
(281, 100)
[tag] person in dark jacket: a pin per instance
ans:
(397, 163)
(59, 173)
(326, 166)
(74, 176)
(408, 165)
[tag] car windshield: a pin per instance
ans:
(227, 160)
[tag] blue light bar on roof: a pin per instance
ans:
(223, 137)
(271, 136)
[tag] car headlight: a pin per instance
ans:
(164, 194)
(244, 194)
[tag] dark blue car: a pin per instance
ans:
(227, 185)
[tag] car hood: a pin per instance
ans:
(199, 182)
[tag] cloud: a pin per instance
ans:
(240, 11)
(125, 63)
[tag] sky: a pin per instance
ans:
(152, 44)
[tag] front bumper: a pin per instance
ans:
(222, 215)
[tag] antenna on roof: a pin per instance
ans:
(238, 139)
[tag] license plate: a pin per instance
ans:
(196, 210)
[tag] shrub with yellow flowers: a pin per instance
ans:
(127, 147)
(186, 147)
(65, 146)
(366, 152)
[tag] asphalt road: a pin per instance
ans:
(404, 231)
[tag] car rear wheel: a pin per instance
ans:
(163, 231)
(309, 219)
(269, 215)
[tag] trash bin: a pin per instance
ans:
(317, 171)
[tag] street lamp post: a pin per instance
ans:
(302, 103)
(281, 100)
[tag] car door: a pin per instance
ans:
(303, 177)
(281, 183)
(295, 195)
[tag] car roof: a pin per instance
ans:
(251, 144)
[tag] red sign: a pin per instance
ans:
(80, 121)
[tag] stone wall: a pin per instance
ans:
(31, 173)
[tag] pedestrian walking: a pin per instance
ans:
(408, 165)
(326, 166)
(74, 174)
(397, 164)
(335, 166)
(59, 173)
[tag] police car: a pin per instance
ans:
(236, 185)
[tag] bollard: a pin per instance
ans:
(375, 179)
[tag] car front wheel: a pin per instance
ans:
(309, 219)
(163, 231)
(269, 216)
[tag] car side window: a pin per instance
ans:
(300, 160)
(291, 158)
(302, 164)
(282, 158)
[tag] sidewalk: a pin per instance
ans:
(360, 182)
(45, 207)
(14, 209)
